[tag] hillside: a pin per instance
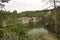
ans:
(13, 24)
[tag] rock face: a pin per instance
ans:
(27, 19)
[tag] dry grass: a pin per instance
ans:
(49, 38)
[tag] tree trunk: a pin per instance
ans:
(55, 18)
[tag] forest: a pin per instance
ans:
(28, 25)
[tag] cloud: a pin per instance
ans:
(24, 5)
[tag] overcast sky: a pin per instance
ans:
(26, 5)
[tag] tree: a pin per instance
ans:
(2, 6)
(54, 14)
(3, 1)
(2, 16)
(55, 17)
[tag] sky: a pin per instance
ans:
(26, 5)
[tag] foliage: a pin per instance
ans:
(16, 28)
